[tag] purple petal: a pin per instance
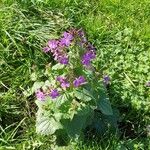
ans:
(79, 81)
(53, 44)
(65, 84)
(40, 95)
(54, 93)
(63, 60)
(46, 49)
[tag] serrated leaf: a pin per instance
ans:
(45, 124)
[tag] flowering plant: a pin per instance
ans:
(74, 93)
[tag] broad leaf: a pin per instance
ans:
(45, 102)
(98, 124)
(45, 124)
(36, 86)
(75, 126)
(104, 103)
(83, 95)
(60, 100)
(113, 119)
(58, 66)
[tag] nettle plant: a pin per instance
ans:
(74, 97)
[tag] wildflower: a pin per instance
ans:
(106, 79)
(60, 56)
(53, 44)
(54, 93)
(81, 33)
(86, 61)
(63, 60)
(79, 81)
(40, 95)
(67, 39)
(63, 81)
(148, 84)
(65, 84)
(60, 79)
(87, 57)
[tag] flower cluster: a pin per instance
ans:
(63, 81)
(54, 93)
(41, 95)
(59, 48)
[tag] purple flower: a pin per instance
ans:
(63, 60)
(60, 79)
(87, 57)
(65, 84)
(106, 79)
(91, 54)
(86, 61)
(58, 53)
(40, 95)
(63, 81)
(54, 93)
(68, 35)
(46, 49)
(66, 40)
(148, 84)
(53, 44)
(79, 81)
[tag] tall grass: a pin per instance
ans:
(24, 29)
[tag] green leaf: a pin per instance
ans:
(112, 119)
(60, 100)
(45, 124)
(83, 94)
(45, 102)
(33, 76)
(58, 66)
(104, 103)
(99, 124)
(75, 126)
(37, 85)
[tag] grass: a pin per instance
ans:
(120, 31)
